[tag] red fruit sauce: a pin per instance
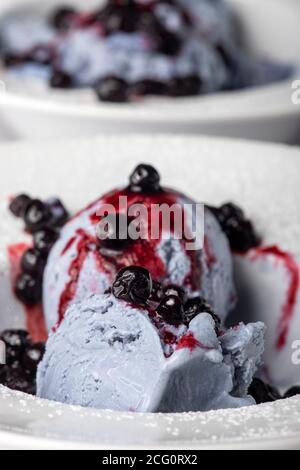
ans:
(188, 341)
(288, 309)
(140, 252)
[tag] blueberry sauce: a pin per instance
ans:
(139, 253)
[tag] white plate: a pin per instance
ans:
(263, 178)
(265, 113)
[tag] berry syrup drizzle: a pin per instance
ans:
(188, 341)
(35, 322)
(140, 252)
(289, 307)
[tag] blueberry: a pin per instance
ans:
(147, 23)
(239, 230)
(15, 342)
(166, 42)
(185, 86)
(15, 338)
(62, 18)
(156, 293)
(32, 356)
(292, 392)
(171, 310)
(230, 211)
(19, 205)
(44, 240)
(197, 305)
(112, 89)
(13, 374)
(13, 356)
(33, 262)
(133, 284)
(37, 215)
(169, 43)
(16, 379)
(28, 289)
(262, 392)
(119, 17)
(3, 374)
(174, 291)
(113, 233)
(11, 59)
(147, 87)
(145, 178)
(61, 80)
(241, 235)
(59, 214)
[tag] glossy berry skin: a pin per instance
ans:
(169, 44)
(28, 289)
(241, 235)
(166, 42)
(118, 18)
(156, 293)
(33, 262)
(22, 359)
(37, 215)
(3, 374)
(239, 230)
(197, 305)
(171, 310)
(62, 18)
(147, 87)
(292, 392)
(112, 89)
(13, 356)
(59, 214)
(61, 80)
(145, 178)
(32, 356)
(15, 338)
(15, 342)
(113, 234)
(133, 284)
(19, 205)
(44, 240)
(262, 392)
(176, 291)
(17, 379)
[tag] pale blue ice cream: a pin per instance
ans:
(107, 354)
(209, 49)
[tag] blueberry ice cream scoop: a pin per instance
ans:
(110, 354)
(80, 263)
(127, 50)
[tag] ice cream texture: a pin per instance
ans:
(108, 354)
(80, 264)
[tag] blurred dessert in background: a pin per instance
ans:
(129, 49)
